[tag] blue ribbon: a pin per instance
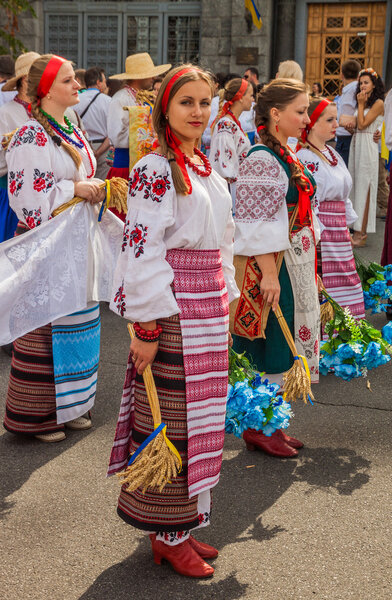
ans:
(323, 301)
(146, 442)
(102, 207)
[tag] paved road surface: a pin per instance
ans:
(317, 527)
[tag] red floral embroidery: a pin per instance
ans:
(43, 181)
(304, 333)
(305, 243)
(311, 166)
(119, 299)
(316, 347)
(154, 186)
(32, 217)
(29, 134)
(228, 125)
(15, 179)
(137, 239)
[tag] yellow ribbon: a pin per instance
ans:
(172, 447)
(306, 366)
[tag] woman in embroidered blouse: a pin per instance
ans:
(332, 206)
(12, 115)
(274, 197)
(178, 237)
(49, 162)
(229, 143)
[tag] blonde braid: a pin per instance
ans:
(37, 114)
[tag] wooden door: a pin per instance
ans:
(337, 32)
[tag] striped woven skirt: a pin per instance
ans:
(171, 509)
(339, 272)
(31, 397)
(190, 372)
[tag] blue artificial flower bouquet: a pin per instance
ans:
(376, 291)
(253, 403)
(353, 347)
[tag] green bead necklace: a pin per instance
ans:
(68, 130)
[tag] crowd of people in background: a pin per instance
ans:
(254, 160)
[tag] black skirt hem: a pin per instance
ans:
(156, 526)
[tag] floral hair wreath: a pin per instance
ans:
(368, 71)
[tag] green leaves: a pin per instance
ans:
(9, 44)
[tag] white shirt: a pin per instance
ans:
(6, 96)
(95, 119)
(158, 220)
(118, 118)
(388, 120)
(12, 116)
(229, 146)
(347, 104)
(41, 175)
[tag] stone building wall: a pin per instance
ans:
(31, 30)
(226, 28)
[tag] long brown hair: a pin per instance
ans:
(278, 94)
(160, 121)
(34, 77)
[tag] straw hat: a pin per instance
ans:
(140, 66)
(22, 67)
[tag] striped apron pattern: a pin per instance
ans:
(76, 340)
(339, 273)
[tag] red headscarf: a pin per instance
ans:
(313, 118)
(171, 139)
(49, 75)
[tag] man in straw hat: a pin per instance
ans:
(139, 74)
(12, 115)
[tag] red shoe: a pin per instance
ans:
(182, 557)
(272, 445)
(293, 442)
(203, 550)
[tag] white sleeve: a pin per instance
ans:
(351, 215)
(223, 152)
(142, 280)
(33, 190)
(262, 223)
(226, 251)
(388, 120)
(117, 122)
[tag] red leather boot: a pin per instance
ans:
(291, 441)
(203, 550)
(272, 445)
(182, 557)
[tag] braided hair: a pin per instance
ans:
(34, 77)
(279, 94)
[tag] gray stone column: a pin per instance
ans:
(283, 36)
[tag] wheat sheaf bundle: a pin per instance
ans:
(296, 381)
(326, 311)
(157, 461)
(116, 196)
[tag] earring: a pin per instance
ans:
(48, 97)
(277, 127)
(167, 117)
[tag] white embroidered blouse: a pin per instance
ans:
(229, 147)
(41, 175)
(334, 183)
(158, 220)
(261, 219)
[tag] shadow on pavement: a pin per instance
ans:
(249, 485)
(22, 455)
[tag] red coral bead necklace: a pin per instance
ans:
(202, 170)
(332, 159)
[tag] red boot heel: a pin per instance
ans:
(273, 445)
(249, 446)
(182, 557)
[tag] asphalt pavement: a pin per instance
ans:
(315, 527)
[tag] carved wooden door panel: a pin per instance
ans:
(337, 32)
